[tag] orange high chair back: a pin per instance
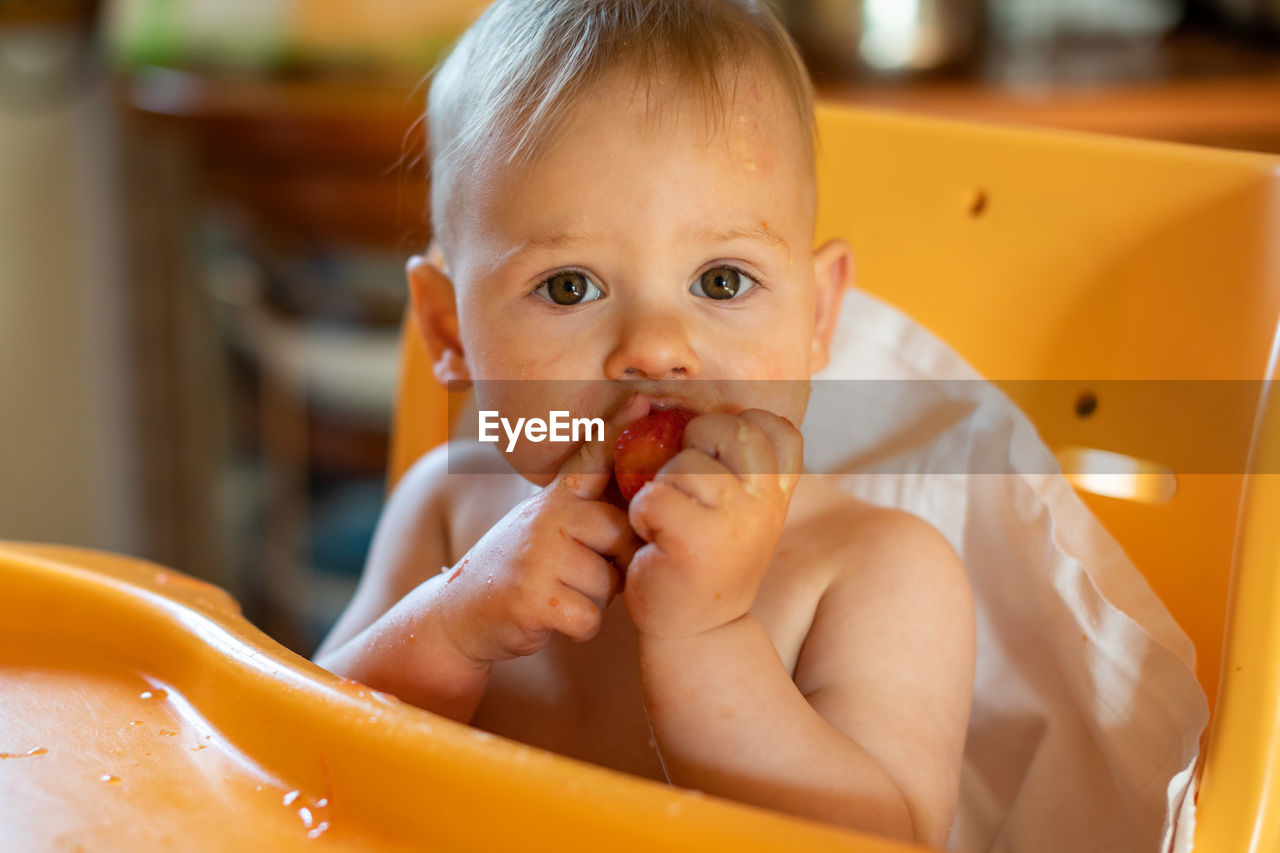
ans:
(1042, 255)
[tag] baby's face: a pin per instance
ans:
(641, 252)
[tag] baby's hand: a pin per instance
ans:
(712, 517)
(551, 564)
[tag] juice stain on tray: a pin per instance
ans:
(39, 750)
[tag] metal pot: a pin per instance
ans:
(851, 37)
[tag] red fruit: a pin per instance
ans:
(645, 446)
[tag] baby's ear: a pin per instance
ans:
(435, 307)
(833, 271)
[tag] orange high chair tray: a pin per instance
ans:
(140, 709)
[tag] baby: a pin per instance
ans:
(623, 195)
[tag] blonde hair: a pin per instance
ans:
(508, 84)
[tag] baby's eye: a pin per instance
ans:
(568, 288)
(722, 283)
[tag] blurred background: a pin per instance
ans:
(206, 205)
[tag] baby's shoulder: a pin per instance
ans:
(851, 580)
(469, 485)
(460, 456)
(868, 545)
(456, 467)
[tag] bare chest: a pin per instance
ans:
(586, 701)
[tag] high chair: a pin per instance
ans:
(163, 715)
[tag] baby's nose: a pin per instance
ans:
(652, 345)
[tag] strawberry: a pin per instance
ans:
(645, 446)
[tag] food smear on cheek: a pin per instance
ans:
(645, 446)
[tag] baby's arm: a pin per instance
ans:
(870, 732)
(387, 637)
(430, 637)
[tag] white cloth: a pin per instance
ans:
(1086, 714)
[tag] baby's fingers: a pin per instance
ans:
(786, 440)
(740, 445)
(589, 574)
(604, 529)
(658, 512)
(573, 614)
(586, 473)
(699, 476)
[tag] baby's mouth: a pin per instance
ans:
(674, 402)
(697, 404)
